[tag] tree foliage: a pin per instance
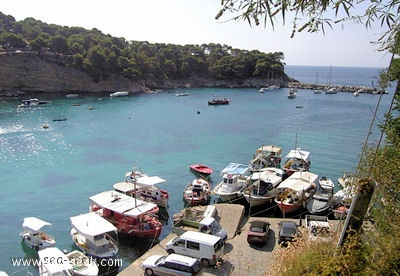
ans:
(103, 55)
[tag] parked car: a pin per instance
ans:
(287, 231)
(172, 264)
(258, 232)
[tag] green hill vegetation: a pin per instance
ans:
(104, 56)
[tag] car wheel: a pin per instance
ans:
(149, 271)
(170, 251)
(205, 262)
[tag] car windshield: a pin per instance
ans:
(160, 260)
(258, 227)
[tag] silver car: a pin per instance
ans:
(173, 264)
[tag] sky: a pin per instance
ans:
(193, 22)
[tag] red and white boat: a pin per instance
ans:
(145, 188)
(198, 192)
(201, 169)
(295, 191)
(134, 218)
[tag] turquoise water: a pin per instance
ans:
(50, 173)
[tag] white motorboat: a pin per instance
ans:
(53, 262)
(94, 235)
(119, 94)
(144, 187)
(263, 189)
(32, 103)
(33, 236)
(235, 178)
(266, 156)
(82, 265)
(323, 201)
(292, 93)
(326, 183)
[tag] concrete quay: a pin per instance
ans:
(239, 258)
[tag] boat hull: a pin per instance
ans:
(287, 208)
(259, 200)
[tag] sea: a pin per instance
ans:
(50, 168)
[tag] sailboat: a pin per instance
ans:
(318, 91)
(329, 89)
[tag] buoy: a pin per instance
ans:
(198, 111)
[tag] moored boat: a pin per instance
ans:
(235, 178)
(94, 235)
(295, 191)
(217, 101)
(134, 218)
(201, 169)
(33, 236)
(266, 156)
(53, 262)
(198, 192)
(32, 103)
(263, 189)
(323, 201)
(296, 160)
(144, 188)
(292, 93)
(82, 265)
(119, 94)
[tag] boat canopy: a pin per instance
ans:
(268, 149)
(298, 154)
(124, 186)
(61, 264)
(34, 224)
(122, 204)
(236, 168)
(91, 224)
(150, 180)
(299, 181)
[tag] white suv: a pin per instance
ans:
(173, 264)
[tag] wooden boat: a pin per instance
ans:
(134, 218)
(198, 192)
(82, 265)
(217, 101)
(235, 178)
(94, 235)
(201, 169)
(296, 160)
(295, 191)
(263, 189)
(33, 236)
(265, 157)
(144, 188)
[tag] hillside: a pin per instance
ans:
(40, 57)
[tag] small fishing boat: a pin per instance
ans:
(292, 93)
(296, 160)
(295, 191)
(266, 156)
(198, 192)
(322, 201)
(94, 235)
(144, 188)
(201, 169)
(217, 101)
(235, 178)
(33, 236)
(180, 94)
(263, 188)
(134, 218)
(54, 262)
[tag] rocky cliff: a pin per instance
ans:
(30, 73)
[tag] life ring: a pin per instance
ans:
(229, 176)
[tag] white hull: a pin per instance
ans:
(82, 264)
(224, 195)
(258, 200)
